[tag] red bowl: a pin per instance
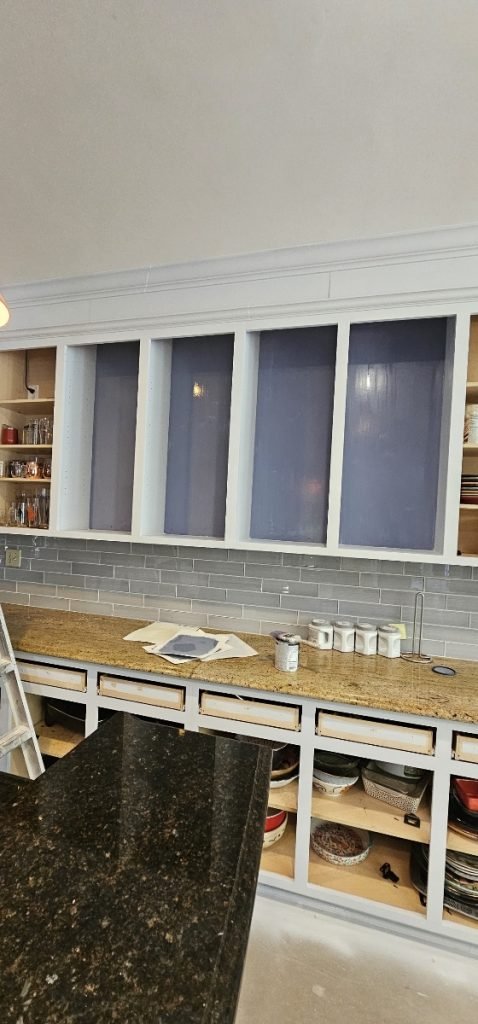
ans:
(274, 818)
(467, 790)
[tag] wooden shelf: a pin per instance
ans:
(56, 740)
(472, 391)
(280, 858)
(285, 798)
(470, 449)
(365, 879)
(25, 447)
(362, 811)
(468, 508)
(39, 406)
(42, 481)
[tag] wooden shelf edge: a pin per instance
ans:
(358, 809)
(56, 740)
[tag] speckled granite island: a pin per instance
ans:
(128, 874)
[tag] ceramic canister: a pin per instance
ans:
(321, 633)
(365, 638)
(389, 641)
(344, 636)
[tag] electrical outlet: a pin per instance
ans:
(33, 390)
(13, 558)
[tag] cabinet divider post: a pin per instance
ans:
(338, 434)
(439, 824)
(453, 445)
(304, 798)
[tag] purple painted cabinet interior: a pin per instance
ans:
(393, 428)
(295, 391)
(198, 438)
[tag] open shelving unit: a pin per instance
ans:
(280, 858)
(468, 513)
(359, 810)
(365, 880)
(18, 370)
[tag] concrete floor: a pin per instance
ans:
(303, 967)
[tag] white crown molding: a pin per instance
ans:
(313, 278)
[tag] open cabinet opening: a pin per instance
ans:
(27, 387)
(468, 522)
(99, 437)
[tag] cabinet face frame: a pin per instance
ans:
(441, 763)
(65, 492)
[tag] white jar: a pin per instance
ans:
(389, 641)
(365, 638)
(344, 636)
(287, 652)
(321, 634)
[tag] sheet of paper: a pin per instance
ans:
(230, 646)
(235, 648)
(160, 632)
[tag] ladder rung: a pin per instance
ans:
(5, 666)
(14, 738)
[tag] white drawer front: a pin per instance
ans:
(382, 734)
(282, 716)
(466, 748)
(145, 693)
(52, 675)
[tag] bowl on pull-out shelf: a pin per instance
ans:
(334, 774)
(285, 765)
(275, 826)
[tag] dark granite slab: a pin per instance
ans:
(127, 879)
(10, 787)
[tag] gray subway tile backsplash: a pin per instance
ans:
(252, 590)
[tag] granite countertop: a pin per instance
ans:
(391, 685)
(128, 879)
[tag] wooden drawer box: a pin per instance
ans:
(466, 748)
(52, 675)
(159, 696)
(257, 712)
(376, 733)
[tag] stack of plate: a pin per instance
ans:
(469, 489)
(339, 844)
(335, 774)
(275, 826)
(461, 818)
(461, 879)
(285, 765)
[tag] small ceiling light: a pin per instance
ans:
(4, 314)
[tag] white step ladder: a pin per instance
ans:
(21, 735)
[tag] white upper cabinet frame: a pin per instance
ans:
(433, 275)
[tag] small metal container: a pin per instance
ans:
(287, 652)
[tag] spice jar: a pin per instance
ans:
(344, 636)
(9, 434)
(389, 638)
(365, 638)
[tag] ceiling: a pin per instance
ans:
(138, 132)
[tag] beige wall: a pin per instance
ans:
(150, 131)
